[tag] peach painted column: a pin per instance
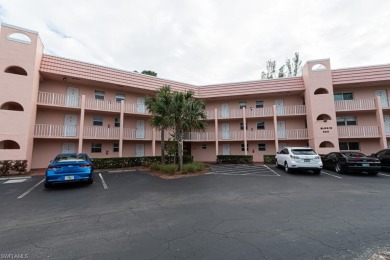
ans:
(216, 131)
(244, 122)
(380, 119)
(275, 128)
(81, 132)
(121, 128)
(154, 141)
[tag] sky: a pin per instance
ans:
(204, 42)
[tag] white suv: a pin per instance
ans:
(303, 158)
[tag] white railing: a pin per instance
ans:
(105, 105)
(358, 131)
(260, 135)
(294, 110)
(258, 112)
(134, 134)
(167, 135)
(136, 109)
(100, 132)
(199, 136)
(55, 99)
(233, 135)
(231, 113)
(360, 104)
(210, 114)
(44, 130)
(293, 134)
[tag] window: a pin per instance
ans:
(260, 104)
(242, 104)
(243, 147)
(96, 148)
(261, 147)
(204, 146)
(99, 94)
(120, 97)
(349, 146)
(260, 125)
(343, 96)
(115, 147)
(9, 144)
(242, 126)
(117, 122)
(346, 120)
(98, 121)
(16, 70)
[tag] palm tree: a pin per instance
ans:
(159, 106)
(186, 114)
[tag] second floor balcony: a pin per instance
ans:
(358, 131)
(56, 131)
(355, 105)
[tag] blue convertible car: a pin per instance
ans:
(69, 167)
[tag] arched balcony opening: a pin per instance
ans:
(9, 144)
(16, 70)
(321, 91)
(323, 117)
(19, 37)
(318, 67)
(326, 144)
(12, 106)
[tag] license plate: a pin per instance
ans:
(366, 164)
(71, 177)
(306, 160)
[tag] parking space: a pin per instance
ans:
(243, 170)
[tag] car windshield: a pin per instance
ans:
(71, 158)
(303, 152)
(353, 154)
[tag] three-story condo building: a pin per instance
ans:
(50, 105)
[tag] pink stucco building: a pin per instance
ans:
(50, 105)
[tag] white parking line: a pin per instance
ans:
(103, 182)
(33, 187)
(15, 178)
(331, 175)
(271, 170)
(384, 174)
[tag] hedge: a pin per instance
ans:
(239, 159)
(19, 166)
(269, 159)
(122, 162)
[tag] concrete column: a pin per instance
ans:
(275, 128)
(380, 119)
(81, 128)
(154, 141)
(121, 128)
(216, 132)
(244, 121)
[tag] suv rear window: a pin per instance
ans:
(68, 158)
(303, 152)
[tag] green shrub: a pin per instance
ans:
(19, 166)
(122, 162)
(193, 167)
(235, 159)
(269, 159)
(169, 168)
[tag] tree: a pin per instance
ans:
(270, 73)
(149, 72)
(291, 68)
(160, 106)
(187, 114)
(294, 67)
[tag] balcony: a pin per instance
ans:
(231, 136)
(56, 131)
(134, 134)
(260, 135)
(136, 109)
(293, 134)
(291, 110)
(210, 114)
(353, 105)
(259, 112)
(60, 100)
(100, 132)
(230, 113)
(102, 105)
(199, 136)
(358, 131)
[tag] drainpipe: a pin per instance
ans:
(216, 131)
(380, 119)
(81, 129)
(245, 141)
(275, 128)
(154, 141)
(121, 128)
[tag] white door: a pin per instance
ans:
(140, 105)
(68, 148)
(140, 129)
(226, 149)
(279, 107)
(72, 97)
(387, 124)
(225, 110)
(383, 95)
(282, 129)
(139, 150)
(225, 131)
(70, 126)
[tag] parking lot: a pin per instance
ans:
(235, 212)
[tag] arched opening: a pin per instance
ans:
(323, 117)
(320, 91)
(16, 70)
(19, 37)
(9, 144)
(326, 144)
(12, 106)
(318, 67)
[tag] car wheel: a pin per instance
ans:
(338, 169)
(373, 173)
(286, 168)
(47, 185)
(317, 172)
(90, 181)
(277, 164)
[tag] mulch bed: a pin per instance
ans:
(175, 176)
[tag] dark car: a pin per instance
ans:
(69, 167)
(384, 157)
(343, 162)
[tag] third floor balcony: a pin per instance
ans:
(355, 105)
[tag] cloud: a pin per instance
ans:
(2, 13)
(55, 30)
